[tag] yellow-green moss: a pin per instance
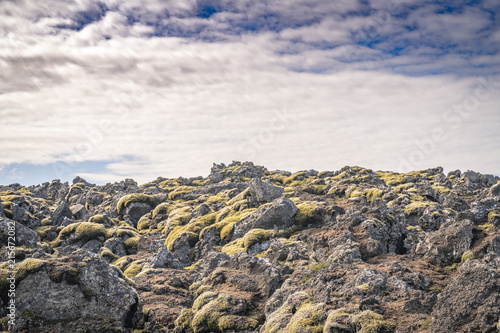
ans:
(224, 226)
(255, 236)
(192, 229)
(207, 318)
(232, 323)
(135, 197)
(203, 299)
(107, 254)
(365, 287)
(144, 223)
(28, 266)
(441, 189)
(485, 227)
(181, 190)
(131, 242)
(233, 247)
(133, 269)
(425, 324)
(392, 178)
(89, 230)
(309, 318)
(305, 214)
(185, 318)
(98, 219)
(371, 322)
(493, 215)
(414, 206)
(467, 256)
(319, 267)
(373, 194)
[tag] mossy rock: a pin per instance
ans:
(89, 230)
(180, 191)
(133, 269)
(371, 322)
(255, 236)
(28, 266)
(392, 178)
(309, 318)
(415, 206)
(135, 197)
(233, 247)
(192, 229)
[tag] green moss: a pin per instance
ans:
(306, 214)
(101, 219)
(441, 189)
(365, 287)
(131, 242)
(133, 269)
(164, 209)
(371, 322)
(485, 227)
(319, 267)
(224, 226)
(255, 236)
(192, 229)
(452, 268)
(107, 254)
(425, 324)
(207, 318)
(233, 247)
(392, 178)
(467, 256)
(203, 299)
(89, 230)
(373, 194)
(28, 266)
(144, 223)
(185, 318)
(135, 197)
(355, 193)
(309, 318)
(181, 190)
(231, 323)
(415, 206)
(46, 222)
(493, 215)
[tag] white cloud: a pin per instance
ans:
(175, 105)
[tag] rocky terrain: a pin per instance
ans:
(251, 250)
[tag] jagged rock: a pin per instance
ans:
(164, 259)
(455, 202)
(471, 302)
(116, 245)
(91, 293)
(480, 209)
(2, 213)
(23, 236)
(447, 245)
(78, 211)
(278, 214)
(135, 211)
(264, 192)
(62, 214)
(495, 190)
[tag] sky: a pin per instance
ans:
(131, 89)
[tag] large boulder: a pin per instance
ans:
(264, 192)
(62, 214)
(24, 236)
(278, 214)
(471, 302)
(447, 245)
(80, 290)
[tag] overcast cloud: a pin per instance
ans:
(120, 89)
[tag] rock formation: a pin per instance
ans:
(251, 250)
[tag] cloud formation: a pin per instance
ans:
(165, 88)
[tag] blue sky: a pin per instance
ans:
(126, 89)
